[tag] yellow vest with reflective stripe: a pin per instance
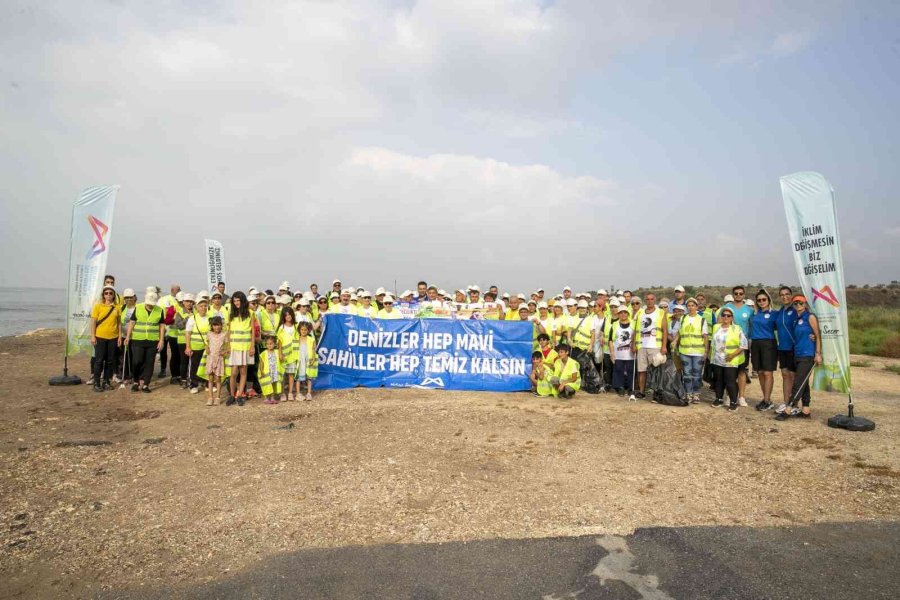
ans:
(690, 336)
(312, 363)
(543, 386)
(732, 343)
(241, 333)
(657, 316)
(564, 372)
(146, 327)
(269, 382)
(581, 334)
(178, 334)
(290, 344)
(198, 333)
(268, 322)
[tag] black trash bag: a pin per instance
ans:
(590, 377)
(666, 383)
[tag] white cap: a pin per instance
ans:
(680, 307)
(679, 288)
(387, 298)
(539, 290)
(128, 293)
(179, 296)
(303, 302)
(334, 295)
(365, 294)
(583, 295)
(520, 296)
(353, 298)
(216, 293)
(619, 293)
(308, 296)
(592, 304)
(664, 303)
(602, 292)
(582, 304)
(284, 286)
(283, 299)
(442, 293)
(151, 289)
(187, 297)
(567, 289)
(622, 308)
(532, 302)
(621, 299)
(202, 296)
(506, 295)
(335, 281)
(523, 307)
(297, 293)
(728, 298)
(252, 291)
(543, 304)
(571, 302)
(380, 291)
(615, 302)
(474, 288)
(151, 299)
(351, 289)
(748, 302)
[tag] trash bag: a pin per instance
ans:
(667, 386)
(590, 377)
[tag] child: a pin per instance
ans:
(621, 352)
(567, 373)
(540, 376)
(215, 359)
(289, 344)
(550, 355)
(307, 361)
(270, 370)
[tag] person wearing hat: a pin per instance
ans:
(675, 320)
(343, 307)
(365, 308)
(146, 333)
(727, 347)
(582, 329)
(175, 338)
(492, 309)
(388, 311)
(559, 330)
(652, 329)
(217, 308)
(786, 318)
(807, 354)
(106, 337)
(678, 300)
(692, 345)
(567, 293)
(269, 317)
(474, 296)
(621, 351)
(742, 313)
(196, 330)
(335, 288)
(167, 304)
(302, 312)
(124, 354)
(180, 324)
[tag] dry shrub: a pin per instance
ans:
(890, 347)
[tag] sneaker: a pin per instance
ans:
(732, 406)
(803, 415)
(620, 392)
(116, 379)
(763, 405)
(240, 400)
(134, 387)
(229, 401)
(97, 388)
(209, 401)
(782, 416)
(308, 397)
(742, 402)
(795, 411)
(695, 398)
(91, 380)
(283, 398)
(162, 373)
(780, 409)
(146, 389)
(251, 393)
(718, 402)
(107, 385)
(195, 390)
(640, 395)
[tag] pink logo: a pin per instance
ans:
(100, 230)
(825, 294)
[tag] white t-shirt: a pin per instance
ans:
(648, 325)
(622, 339)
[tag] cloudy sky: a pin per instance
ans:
(511, 142)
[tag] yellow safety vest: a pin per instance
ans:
(543, 386)
(198, 333)
(312, 364)
(657, 316)
(289, 343)
(394, 314)
(690, 336)
(146, 327)
(564, 372)
(268, 322)
(268, 381)
(241, 333)
(732, 343)
(178, 334)
(581, 334)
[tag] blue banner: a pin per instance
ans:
(431, 353)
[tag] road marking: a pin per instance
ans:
(617, 565)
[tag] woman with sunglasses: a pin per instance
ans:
(763, 347)
(807, 354)
(106, 337)
(727, 348)
(786, 318)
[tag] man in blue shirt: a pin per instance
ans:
(742, 313)
(785, 319)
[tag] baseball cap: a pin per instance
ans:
(335, 281)
(128, 293)
(542, 304)
(520, 296)
(571, 302)
(582, 304)
(602, 292)
(622, 309)
(388, 299)
(187, 297)
(380, 291)
(151, 299)
(679, 288)
(567, 289)
(728, 298)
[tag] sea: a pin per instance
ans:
(26, 309)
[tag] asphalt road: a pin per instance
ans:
(840, 561)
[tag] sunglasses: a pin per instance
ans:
(635, 303)
(763, 299)
(270, 302)
(388, 303)
(739, 293)
(108, 293)
(727, 315)
(799, 303)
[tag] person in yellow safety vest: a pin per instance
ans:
(388, 311)
(582, 330)
(544, 320)
(183, 311)
(195, 331)
(270, 370)
(289, 344)
(365, 307)
(540, 376)
(335, 293)
(651, 326)
(241, 340)
(146, 332)
(726, 355)
(343, 307)
(307, 362)
(567, 373)
(217, 309)
(302, 312)
(571, 315)
(692, 343)
(269, 317)
(512, 314)
(546, 347)
(166, 302)
(560, 322)
(602, 318)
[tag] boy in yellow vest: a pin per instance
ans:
(567, 374)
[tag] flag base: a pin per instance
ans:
(66, 380)
(851, 423)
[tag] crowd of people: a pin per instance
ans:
(263, 343)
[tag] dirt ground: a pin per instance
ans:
(179, 492)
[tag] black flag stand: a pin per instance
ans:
(850, 421)
(65, 378)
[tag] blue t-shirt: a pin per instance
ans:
(785, 319)
(741, 316)
(805, 337)
(762, 325)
